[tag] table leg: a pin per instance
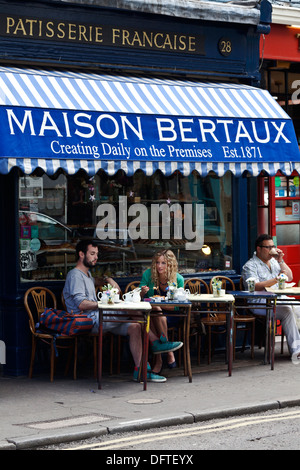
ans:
(269, 356)
(187, 346)
(100, 345)
(267, 334)
(146, 348)
(230, 340)
(272, 336)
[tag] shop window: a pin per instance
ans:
(263, 204)
(287, 210)
(140, 215)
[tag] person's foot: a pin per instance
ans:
(170, 358)
(172, 365)
(162, 345)
(151, 376)
(158, 366)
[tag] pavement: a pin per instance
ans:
(36, 412)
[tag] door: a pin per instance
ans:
(284, 218)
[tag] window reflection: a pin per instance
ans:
(63, 209)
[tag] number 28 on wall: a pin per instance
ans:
(225, 46)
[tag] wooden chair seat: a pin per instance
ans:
(36, 299)
(94, 337)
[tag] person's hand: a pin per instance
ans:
(280, 255)
(144, 290)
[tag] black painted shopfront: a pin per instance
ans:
(100, 111)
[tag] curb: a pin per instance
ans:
(33, 442)
(5, 445)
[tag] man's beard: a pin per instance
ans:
(88, 264)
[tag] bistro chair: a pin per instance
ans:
(245, 322)
(131, 286)
(36, 299)
(94, 338)
(261, 319)
(214, 323)
(196, 286)
(89, 335)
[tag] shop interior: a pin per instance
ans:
(130, 217)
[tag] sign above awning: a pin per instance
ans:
(74, 121)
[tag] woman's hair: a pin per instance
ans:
(172, 266)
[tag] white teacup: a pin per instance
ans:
(103, 297)
(116, 297)
(273, 252)
(127, 297)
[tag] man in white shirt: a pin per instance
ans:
(265, 268)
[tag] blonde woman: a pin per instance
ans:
(155, 281)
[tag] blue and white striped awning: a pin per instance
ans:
(73, 121)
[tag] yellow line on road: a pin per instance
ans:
(202, 429)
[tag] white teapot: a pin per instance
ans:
(136, 295)
(180, 294)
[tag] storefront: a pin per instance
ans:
(126, 132)
(278, 196)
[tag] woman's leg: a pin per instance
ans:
(159, 326)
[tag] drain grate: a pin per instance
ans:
(67, 422)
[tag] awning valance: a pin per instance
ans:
(73, 121)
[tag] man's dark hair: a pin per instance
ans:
(83, 246)
(261, 239)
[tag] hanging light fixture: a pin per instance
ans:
(206, 250)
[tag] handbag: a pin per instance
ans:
(62, 323)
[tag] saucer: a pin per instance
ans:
(289, 284)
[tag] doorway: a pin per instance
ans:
(279, 215)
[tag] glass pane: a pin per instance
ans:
(140, 215)
(281, 186)
(46, 248)
(266, 191)
(294, 186)
(286, 186)
(288, 234)
(287, 210)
